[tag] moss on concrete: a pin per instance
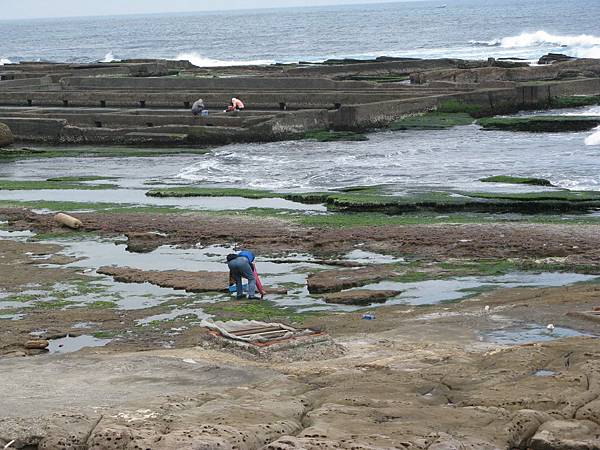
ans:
(539, 124)
(334, 136)
(432, 121)
(574, 101)
(516, 180)
(455, 106)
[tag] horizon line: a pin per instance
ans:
(215, 11)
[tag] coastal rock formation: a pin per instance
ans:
(176, 279)
(551, 58)
(337, 280)
(360, 297)
(6, 136)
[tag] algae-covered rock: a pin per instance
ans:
(6, 136)
(333, 136)
(539, 124)
(432, 121)
(516, 180)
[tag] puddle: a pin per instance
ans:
(365, 257)
(98, 253)
(84, 325)
(16, 235)
(71, 344)
(11, 316)
(527, 333)
(173, 315)
(437, 291)
(138, 197)
(545, 373)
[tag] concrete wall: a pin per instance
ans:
(265, 100)
(36, 130)
(371, 115)
(191, 84)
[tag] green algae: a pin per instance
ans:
(185, 191)
(455, 106)
(575, 197)
(30, 185)
(102, 305)
(516, 180)
(113, 152)
(574, 101)
(334, 136)
(539, 124)
(432, 121)
(260, 310)
(115, 208)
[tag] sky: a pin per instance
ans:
(27, 9)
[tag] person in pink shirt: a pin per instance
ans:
(236, 105)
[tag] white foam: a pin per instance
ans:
(543, 38)
(5, 61)
(109, 57)
(592, 52)
(593, 139)
(201, 61)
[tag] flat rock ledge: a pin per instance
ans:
(361, 297)
(196, 282)
(201, 281)
(338, 280)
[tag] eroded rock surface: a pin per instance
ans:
(177, 279)
(337, 280)
(360, 297)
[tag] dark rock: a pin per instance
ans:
(551, 58)
(143, 242)
(360, 297)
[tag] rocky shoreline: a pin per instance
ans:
(401, 379)
(444, 318)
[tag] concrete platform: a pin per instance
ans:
(148, 102)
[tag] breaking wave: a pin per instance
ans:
(201, 61)
(5, 61)
(581, 46)
(109, 57)
(593, 139)
(543, 38)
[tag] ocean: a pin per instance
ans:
(467, 29)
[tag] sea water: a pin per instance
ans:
(462, 29)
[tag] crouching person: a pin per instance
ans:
(241, 265)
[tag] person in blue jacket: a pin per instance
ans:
(240, 266)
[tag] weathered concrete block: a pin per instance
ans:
(6, 136)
